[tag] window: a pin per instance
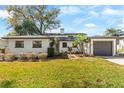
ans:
(64, 44)
(37, 44)
(19, 44)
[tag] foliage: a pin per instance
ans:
(52, 42)
(32, 56)
(70, 36)
(8, 84)
(70, 49)
(55, 42)
(120, 50)
(1, 57)
(32, 20)
(80, 40)
(82, 73)
(22, 57)
(42, 56)
(63, 55)
(9, 57)
(2, 50)
(12, 33)
(113, 32)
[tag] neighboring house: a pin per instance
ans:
(121, 43)
(100, 46)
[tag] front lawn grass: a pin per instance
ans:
(62, 73)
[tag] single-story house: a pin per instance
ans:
(98, 45)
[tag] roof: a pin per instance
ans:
(67, 39)
(104, 37)
(62, 33)
(44, 36)
(26, 37)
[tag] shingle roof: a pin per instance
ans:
(62, 33)
(104, 37)
(67, 38)
(26, 37)
(44, 36)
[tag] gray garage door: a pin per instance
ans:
(102, 48)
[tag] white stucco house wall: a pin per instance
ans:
(3, 43)
(9, 43)
(100, 46)
(28, 46)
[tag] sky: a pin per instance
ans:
(92, 20)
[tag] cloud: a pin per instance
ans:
(122, 21)
(4, 14)
(53, 31)
(93, 13)
(109, 11)
(90, 25)
(70, 10)
(90, 7)
(80, 20)
(121, 25)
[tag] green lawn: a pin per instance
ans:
(85, 72)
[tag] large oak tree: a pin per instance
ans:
(32, 20)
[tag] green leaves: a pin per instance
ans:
(79, 42)
(81, 37)
(113, 32)
(32, 20)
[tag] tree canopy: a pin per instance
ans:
(32, 20)
(113, 32)
(80, 40)
(12, 33)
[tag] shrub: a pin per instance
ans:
(1, 57)
(22, 57)
(42, 56)
(91, 55)
(70, 49)
(9, 57)
(88, 55)
(2, 50)
(50, 52)
(63, 55)
(32, 57)
(76, 52)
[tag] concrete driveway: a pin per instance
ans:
(115, 59)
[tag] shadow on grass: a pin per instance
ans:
(8, 84)
(84, 84)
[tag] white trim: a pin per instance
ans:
(113, 45)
